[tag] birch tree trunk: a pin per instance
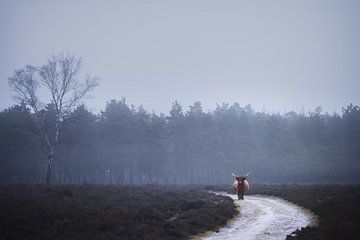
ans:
(49, 171)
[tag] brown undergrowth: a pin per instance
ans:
(160, 212)
(110, 212)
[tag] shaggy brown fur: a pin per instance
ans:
(240, 186)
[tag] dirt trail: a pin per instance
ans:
(264, 217)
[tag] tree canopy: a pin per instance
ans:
(125, 144)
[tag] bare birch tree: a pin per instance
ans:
(60, 76)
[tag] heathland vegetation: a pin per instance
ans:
(110, 212)
(160, 211)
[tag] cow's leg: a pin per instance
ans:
(241, 192)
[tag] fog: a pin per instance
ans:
(126, 145)
(188, 91)
(277, 56)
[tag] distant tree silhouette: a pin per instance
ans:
(125, 144)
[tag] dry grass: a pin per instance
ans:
(109, 212)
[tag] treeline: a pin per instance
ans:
(128, 145)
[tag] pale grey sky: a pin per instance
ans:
(277, 55)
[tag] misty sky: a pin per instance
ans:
(275, 55)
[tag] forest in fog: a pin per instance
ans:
(125, 144)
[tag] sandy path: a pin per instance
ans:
(263, 217)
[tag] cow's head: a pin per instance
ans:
(241, 179)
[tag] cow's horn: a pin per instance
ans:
(233, 175)
(248, 174)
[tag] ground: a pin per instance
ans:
(337, 207)
(110, 212)
(160, 212)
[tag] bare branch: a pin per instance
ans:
(61, 77)
(79, 93)
(25, 86)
